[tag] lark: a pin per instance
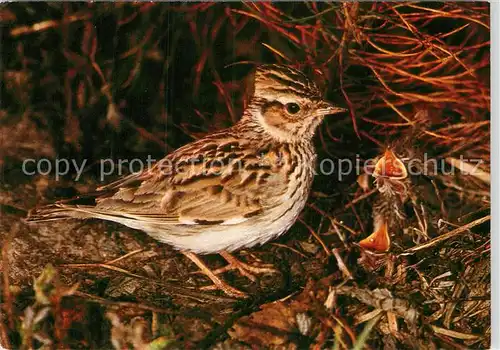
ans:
(233, 189)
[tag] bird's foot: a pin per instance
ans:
(218, 282)
(249, 271)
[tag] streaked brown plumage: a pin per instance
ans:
(232, 189)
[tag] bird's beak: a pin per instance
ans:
(326, 108)
(379, 240)
(390, 166)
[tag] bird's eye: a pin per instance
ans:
(292, 108)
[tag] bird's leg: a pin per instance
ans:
(244, 268)
(219, 283)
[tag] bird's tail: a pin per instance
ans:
(78, 207)
(57, 211)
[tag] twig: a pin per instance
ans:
(341, 264)
(171, 288)
(360, 198)
(315, 235)
(448, 235)
(124, 304)
(44, 25)
(469, 169)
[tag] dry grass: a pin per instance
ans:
(145, 78)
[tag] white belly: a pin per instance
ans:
(255, 231)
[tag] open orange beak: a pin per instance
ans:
(379, 240)
(390, 166)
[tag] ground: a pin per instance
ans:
(98, 81)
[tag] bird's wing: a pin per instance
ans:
(205, 182)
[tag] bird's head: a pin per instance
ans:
(287, 104)
(390, 174)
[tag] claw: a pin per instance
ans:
(218, 282)
(246, 270)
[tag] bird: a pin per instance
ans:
(232, 189)
(400, 176)
(393, 184)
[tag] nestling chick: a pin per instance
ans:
(392, 182)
